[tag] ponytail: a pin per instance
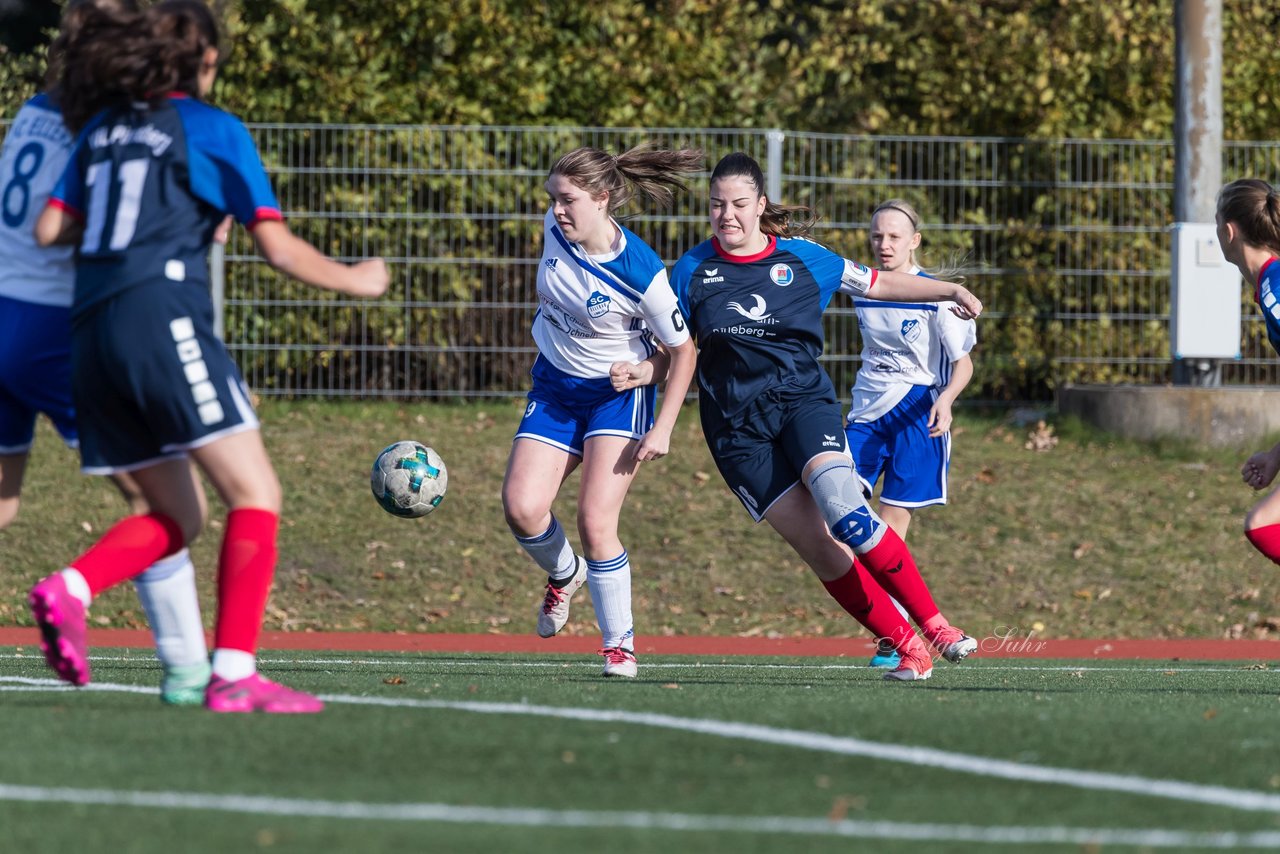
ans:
(645, 170)
(1254, 207)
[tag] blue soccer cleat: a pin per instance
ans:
(886, 656)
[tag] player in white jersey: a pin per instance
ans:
(35, 372)
(603, 296)
(915, 363)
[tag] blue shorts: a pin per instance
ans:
(898, 445)
(763, 450)
(35, 372)
(150, 379)
(565, 411)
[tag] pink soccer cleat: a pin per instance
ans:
(915, 665)
(60, 617)
(255, 694)
(954, 644)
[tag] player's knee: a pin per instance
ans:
(523, 512)
(858, 529)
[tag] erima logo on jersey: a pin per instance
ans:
(756, 312)
(829, 441)
(782, 275)
(598, 304)
(911, 330)
(710, 277)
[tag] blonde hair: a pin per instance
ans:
(952, 269)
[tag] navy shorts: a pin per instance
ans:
(762, 452)
(151, 381)
(35, 372)
(898, 445)
(565, 411)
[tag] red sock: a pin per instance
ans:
(245, 568)
(126, 549)
(895, 570)
(1266, 540)
(858, 593)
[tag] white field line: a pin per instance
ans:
(1239, 799)
(430, 659)
(524, 817)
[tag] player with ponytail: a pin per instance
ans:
(1248, 219)
(153, 173)
(603, 297)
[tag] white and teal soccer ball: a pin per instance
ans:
(408, 479)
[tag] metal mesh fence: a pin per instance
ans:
(1066, 241)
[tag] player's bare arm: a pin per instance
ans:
(57, 227)
(892, 285)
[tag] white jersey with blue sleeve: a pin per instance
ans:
(594, 310)
(35, 153)
(905, 344)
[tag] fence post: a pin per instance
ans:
(773, 170)
(218, 285)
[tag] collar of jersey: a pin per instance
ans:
(1262, 274)
(745, 259)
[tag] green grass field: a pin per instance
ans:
(1094, 538)
(517, 753)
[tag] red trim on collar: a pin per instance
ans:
(1262, 273)
(745, 259)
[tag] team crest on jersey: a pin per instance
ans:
(782, 275)
(911, 330)
(598, 304)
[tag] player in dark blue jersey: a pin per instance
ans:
(1248, 218)
(153, 173)
(36, 286)
(754, 295)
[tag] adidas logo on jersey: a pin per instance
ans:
(711, 276)
(550, 263)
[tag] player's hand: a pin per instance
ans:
(653, 445)
(223, 231)
(1259, 470)
(627, 375)
(369, 278)
(967, 305)
(939, 419)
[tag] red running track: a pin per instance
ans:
(992, 647)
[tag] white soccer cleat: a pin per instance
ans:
(553, 611)
(619, 662)
(954, 645)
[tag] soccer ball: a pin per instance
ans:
(408, 479)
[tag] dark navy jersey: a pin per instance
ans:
(151, 183)
(758, 319)
(1265, 295)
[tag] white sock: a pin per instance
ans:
(901, 610)
(551, 551)
(77, 586)
(234, 664)
(610, 584)
(167, 591)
